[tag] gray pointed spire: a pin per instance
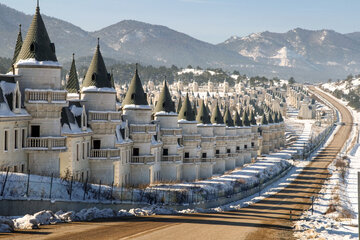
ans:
(37, 44)
(165, 103)
(135, 94)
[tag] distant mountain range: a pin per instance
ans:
(304, 54)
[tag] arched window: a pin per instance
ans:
(133, 96)
(93, 77)
(32, 47)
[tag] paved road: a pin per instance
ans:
(267, 219)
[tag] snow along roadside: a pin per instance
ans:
(336, 207)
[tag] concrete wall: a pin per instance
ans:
(99, 101)
(37, 77)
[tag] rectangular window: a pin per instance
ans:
(187, 155)
(252, 144)
(23, 138)
(165, 152)
(203, 155)
(245, 146)
(237, 148)
(217, 151)
(35, 131)
(96, 144)
(83, 151)
(228, 150)
(22, 168)
(6, 144)
(16, 139)
(15, 169)
(77, 152)
(136, 152)
(88, 149)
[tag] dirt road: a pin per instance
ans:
(267, 219)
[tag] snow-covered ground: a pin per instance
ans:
(336, 207)
(344, 86)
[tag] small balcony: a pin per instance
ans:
(171, 158)
(111, 154)
(191, 138)
(46, 143)
(143, 128)
(45, 96)
(208, 139)
(233, 154)
(208, 160)
(171, 132)
(99, 116)
(145, 159)
(192, 160)
(221, 155)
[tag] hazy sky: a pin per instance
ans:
(208, 20)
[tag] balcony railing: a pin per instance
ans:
(104, 116)
(46, 143)
(105, 153)
(233, 154)
(192, 160)
(171, 158)
(191, 137)
(208, 139)
(208, 159)
(171, 132)
(221, 155)
(146, 128)
(143, 159)
(221, 138)
(45, 96)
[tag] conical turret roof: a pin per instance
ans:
(72, 85)
(227, 118)
(281, 119)
(216, 117)
(252, 118)
(264, 120)
(276, 119)
(237, 119)
(245, 119)
(37, 44)
(203, 115)
(195, 108)
(186, 112)
(270, 120)
(112, 80)
(19, 43)
(179, 105)
(165, 103)
(135, 94)
(97, 75)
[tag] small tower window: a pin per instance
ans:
(93, 77)
(52, 46)
(32, 47)
(133, 96)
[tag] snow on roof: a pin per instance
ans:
(77, 111)
(34, 62)
(133, 106)
(7, 87)
(96, 89)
